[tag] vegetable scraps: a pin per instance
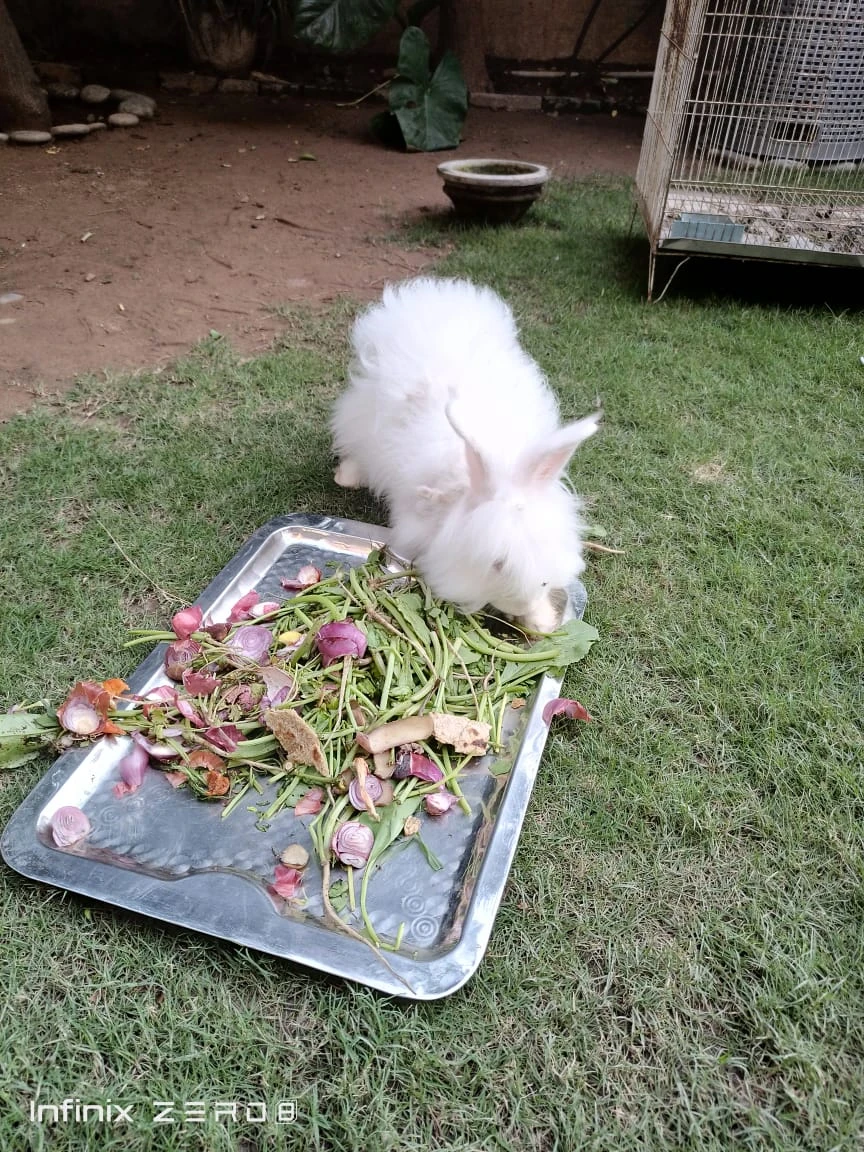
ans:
(363, 663)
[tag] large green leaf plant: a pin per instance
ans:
(427, 109)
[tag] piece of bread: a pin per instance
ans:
(468, 737)
(297, 738)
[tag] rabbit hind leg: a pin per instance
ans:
(348, 474)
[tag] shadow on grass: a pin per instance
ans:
(759, 283)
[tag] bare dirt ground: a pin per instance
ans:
(130, 246)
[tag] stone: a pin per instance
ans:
(97, 125)
(141, 106)
(58, 74)
(188, 82)
(122, 120)
(26, 136)
(234, 87)
(506, 102)
(95, 93)
(70, 131)
(3, 137)
(11, 298)
(57, 90)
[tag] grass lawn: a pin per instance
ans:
(679, 959)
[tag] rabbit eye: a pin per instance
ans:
(498, 565)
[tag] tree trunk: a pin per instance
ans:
(23, 104)
(461, 29)
(226, 46)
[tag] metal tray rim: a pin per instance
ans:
(441, 976)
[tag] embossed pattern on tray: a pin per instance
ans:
(167, 854)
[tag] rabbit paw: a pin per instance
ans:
(347, 475)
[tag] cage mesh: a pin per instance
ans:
(755, 130)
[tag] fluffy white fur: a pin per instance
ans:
(449, 421)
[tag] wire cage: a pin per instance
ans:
(754, 141)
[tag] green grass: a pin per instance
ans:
(678, 960)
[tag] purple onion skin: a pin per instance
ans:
(133, 766)
(439, 803)
(187, 621)
(352, 843)
(374, 790)
(413, 764)
(69, 825)
(199, 683)
(157, 751)
(340, 638)
(252, 641)
(179, 656)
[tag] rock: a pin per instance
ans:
(97, 125)
(187, 82)
(58, 74)
(95, 93)
(3, 137)
(504, 102)
(70, 131)
(30, 137)
(57, 90)
(141, 106)
(122, 120)
(10, 298)
(235, 87)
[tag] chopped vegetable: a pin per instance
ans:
(407, 731)
(199, 683)
(310, 804)
(187, 621)
(287, 882)
(410, 763)
(251, 642)
(564, 707)
(179, 656)
(133, 766)
(365, 796)
(364, 661)
(68, 826)
(305, 578)
(340, 638)
(240, 611)
(352, 843)
(295, 856)
(437, 803)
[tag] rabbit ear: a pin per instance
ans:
(547, 463)
(478, 473)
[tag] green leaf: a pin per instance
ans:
(389, 827)
(341, 25)
(24, 735)
(430, 109)
(570, 643)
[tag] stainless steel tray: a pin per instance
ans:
(167, 855)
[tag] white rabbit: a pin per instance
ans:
(450, 422)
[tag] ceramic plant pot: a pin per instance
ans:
(492, 191)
